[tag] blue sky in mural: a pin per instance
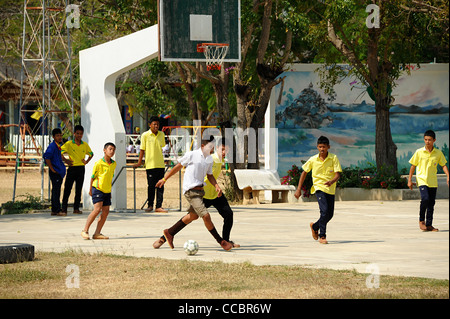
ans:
(304, 112)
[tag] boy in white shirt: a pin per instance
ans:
(198, 164)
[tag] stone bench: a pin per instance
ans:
(252, 181)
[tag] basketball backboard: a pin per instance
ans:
(183, 24)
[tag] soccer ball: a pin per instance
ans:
(190, 247)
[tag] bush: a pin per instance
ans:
(22, 207)
(372, 177)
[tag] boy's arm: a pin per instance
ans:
(90, 187)
(213, 181)
(64, 152)
(49, 164)
(91, 155)
(337, 175)
(66, 160)
(141, 155)
(298, 192)
(445, 168)
(411, 173)
(169, 174)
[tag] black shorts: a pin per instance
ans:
(99, 196)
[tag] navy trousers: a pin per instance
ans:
(153, 176)
(326, 207)
(56, 181)
(428, 199)
(75, 174)
(224, 209)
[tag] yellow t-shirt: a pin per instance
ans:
(152, 145)
(210, 190)
(322, 172)
(426, 166)
(103, 174)
(76, 152)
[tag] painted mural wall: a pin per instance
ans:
(303, 112)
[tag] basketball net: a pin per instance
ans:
(214, 53)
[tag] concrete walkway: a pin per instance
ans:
(361, 235)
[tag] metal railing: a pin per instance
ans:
(134, 184)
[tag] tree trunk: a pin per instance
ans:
(385, 148)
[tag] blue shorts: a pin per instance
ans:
(99, 196)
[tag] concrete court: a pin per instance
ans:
(362, 233)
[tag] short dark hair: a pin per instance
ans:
(207, 138)
(109, 144)
(78, 128)
(430, 133)
(154, 119)
(323, 140)
(206, 141)
(56, 131)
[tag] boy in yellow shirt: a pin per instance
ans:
(211, 197)
(152, 143)
(100, 190)
(77, 151)
(426, 159)
(326, 170)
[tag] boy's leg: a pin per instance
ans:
(159, 174)
(224, 209)
(195, 198)
(330, 201)
(175, 229)
(151, 182)
(79, 180)
(102, 218)
(326, 207)
(431, 202)
(424, 199)
(101, 221)
(90, 219)
(428, 199)
(70, 178)
(211, 228)
(56, 181)
(426, 210)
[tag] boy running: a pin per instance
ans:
(198, 164)
(426, 160)
(326, 170)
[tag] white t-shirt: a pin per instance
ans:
(197, 167)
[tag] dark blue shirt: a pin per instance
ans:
(53, 153)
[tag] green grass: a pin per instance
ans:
(110, 276)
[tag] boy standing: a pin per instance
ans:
(198, 164)
(56, 170)
(426, 160)
(326, 170)
(77, 151)
(100, 190)
(152, 143)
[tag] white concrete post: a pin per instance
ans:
(270, 140)
(100, 116)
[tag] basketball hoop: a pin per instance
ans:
(214, 54)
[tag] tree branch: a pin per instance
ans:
(265, 33)
(202, 74)
(350, 55)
